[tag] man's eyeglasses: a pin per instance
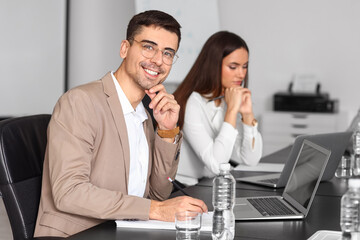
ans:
(149, 50)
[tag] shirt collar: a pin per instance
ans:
(140, 111)
(125, 103)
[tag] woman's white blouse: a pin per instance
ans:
(209, 141)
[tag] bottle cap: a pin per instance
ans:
(226, 167)
(354, 182)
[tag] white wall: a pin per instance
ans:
(97, 28)
(32, 55)
(286, 37)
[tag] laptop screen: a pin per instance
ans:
(306, 175)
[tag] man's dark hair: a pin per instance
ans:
(155, 18)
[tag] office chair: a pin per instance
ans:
(22, 149)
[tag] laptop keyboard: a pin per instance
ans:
(270, 206)
(270, 180)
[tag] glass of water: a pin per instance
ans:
(188, 225)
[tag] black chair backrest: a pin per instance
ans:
(22, 149)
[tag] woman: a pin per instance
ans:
(216, 113)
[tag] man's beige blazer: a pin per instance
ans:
(86, 166)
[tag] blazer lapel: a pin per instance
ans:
(118, 116)
(149, 132)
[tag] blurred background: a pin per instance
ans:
(49, 46)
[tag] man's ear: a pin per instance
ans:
(124, 47)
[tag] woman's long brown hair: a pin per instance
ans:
(205, 75)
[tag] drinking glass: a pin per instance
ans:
(188, 225)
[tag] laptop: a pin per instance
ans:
(336, 142)
(298, 194)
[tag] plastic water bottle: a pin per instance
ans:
(345, 168)
(356, 148)
(350, 209)
(223, 201)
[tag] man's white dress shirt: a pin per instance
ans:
(139, 149)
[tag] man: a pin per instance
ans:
(103, 158)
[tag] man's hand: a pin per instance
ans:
(165, 108)
(165, 211)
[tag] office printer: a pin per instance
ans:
(305, 101)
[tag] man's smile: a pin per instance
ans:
(151, 72)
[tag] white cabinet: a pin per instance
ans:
(279, 129)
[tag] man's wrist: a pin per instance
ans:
(168, 133)
(154, 206)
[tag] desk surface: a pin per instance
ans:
(324, 215)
